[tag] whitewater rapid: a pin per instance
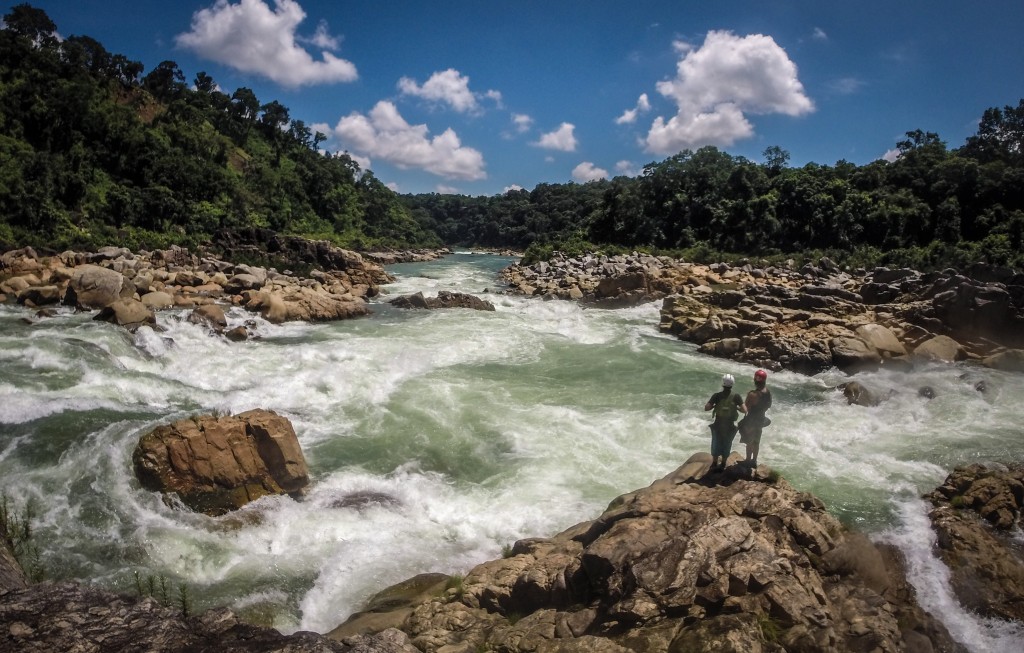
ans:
(437, 438)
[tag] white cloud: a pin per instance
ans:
(384, 134)
(629, 116)
(252, 38)
(392, 185)
(562, 139)
(522, 122)
(819, 34)
(587, 171)
(323, 39)
(447, 190)
(447, 87)
(891, 155)
(718, 83)
(627, 168)
(512, 188)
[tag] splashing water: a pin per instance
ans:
(434, 439)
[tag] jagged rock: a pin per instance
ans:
(856, 393)
(39, 296)
(690, 563)
(976, 512)
(444, 299)
(218, 464)
(51, 617)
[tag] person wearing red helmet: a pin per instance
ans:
(757, 403)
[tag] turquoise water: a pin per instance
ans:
(468, 429)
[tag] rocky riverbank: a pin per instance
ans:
(127, 287)
(697, 561)
(809, 319)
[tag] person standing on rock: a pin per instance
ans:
(727, 406)
(758, 401)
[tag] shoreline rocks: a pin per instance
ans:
(737, 561)
(127, 287)
(808, 320)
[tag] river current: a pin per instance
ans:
(435, 439)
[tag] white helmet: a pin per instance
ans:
(728, 381)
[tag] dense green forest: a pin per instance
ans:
(930, 207)
(93, 151)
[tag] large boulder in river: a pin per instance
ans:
(444, 299)
(92, 286)
(217, 464)
(129, 313)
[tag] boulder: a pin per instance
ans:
(881, 339)
(940, 348)
(976, 513)
(1010, 360)
(210, 315)
(444, 299)
(853, 355)
(857, 393)
(157, 299)
(93, 286)
(217, 464)
(129, 313)
(39, 296)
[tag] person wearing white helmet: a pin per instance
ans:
(727, 406)
(758, 401)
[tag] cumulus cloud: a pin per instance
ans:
(447, 87)
(891, 155)
(445, 189)
(384, 134)
(522, 122)
(252, 38)
(627, 168)
(587, 171)
(629, 116)
(562, 139)
(511, 188)
(720, 82)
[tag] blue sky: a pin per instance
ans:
(476, 97)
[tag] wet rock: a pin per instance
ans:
(210, 315)
(856, 393)
(940, 349)
(444, 299)
(215, 465)
(128, 313)
(976, 512)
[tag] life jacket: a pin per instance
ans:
(727, 410)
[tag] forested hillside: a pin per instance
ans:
(93, 151)
(930, 207)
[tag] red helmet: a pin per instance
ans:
(760, 376)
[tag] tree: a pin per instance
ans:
(31, 23)
(775, 159)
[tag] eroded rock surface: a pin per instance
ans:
(217, 464)
(977, 516)
(729, 562)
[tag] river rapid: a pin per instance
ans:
(435, 439)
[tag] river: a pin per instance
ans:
(435, 439)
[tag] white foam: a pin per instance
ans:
(930, 577)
